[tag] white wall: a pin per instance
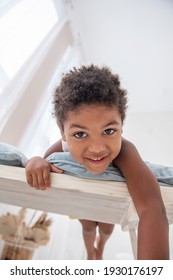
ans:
(135, 39)
(151, 132)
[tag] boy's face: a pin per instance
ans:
(93, 134)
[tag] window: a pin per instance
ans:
(23, 26)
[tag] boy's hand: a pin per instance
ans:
(38, 173)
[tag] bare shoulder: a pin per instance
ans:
(128, 155)
(56, 147)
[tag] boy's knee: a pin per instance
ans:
(88, 226)
(106, 229)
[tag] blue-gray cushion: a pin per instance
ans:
(10, 155)
(65, 162)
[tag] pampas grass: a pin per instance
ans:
(21, 238)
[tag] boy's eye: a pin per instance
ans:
(80, 134)
(109, 131)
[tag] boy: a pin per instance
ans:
(90, 106)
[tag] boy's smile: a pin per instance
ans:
(93, 134)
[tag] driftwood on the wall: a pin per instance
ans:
(106, 201)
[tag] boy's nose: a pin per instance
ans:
(96, 147)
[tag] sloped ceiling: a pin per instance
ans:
(135, 39)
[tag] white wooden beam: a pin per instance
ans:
(105, 201)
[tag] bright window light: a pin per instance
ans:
(22, 29)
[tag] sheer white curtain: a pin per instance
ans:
(23, 26)
(26, 30)
(37, 45)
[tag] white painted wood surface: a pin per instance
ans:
(106, 201)
(89, 199)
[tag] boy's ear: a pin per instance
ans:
(62, 132)
(63, 135)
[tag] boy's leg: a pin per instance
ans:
(105, 231)
(89, 235)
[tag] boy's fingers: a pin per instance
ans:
(41, 181)
(38, 175)
(46, 177)
(35, 183)
(53, 168)
(29, 179)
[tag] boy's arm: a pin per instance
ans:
(57, 147)
(153, 239)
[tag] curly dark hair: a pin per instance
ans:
(88, 85)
